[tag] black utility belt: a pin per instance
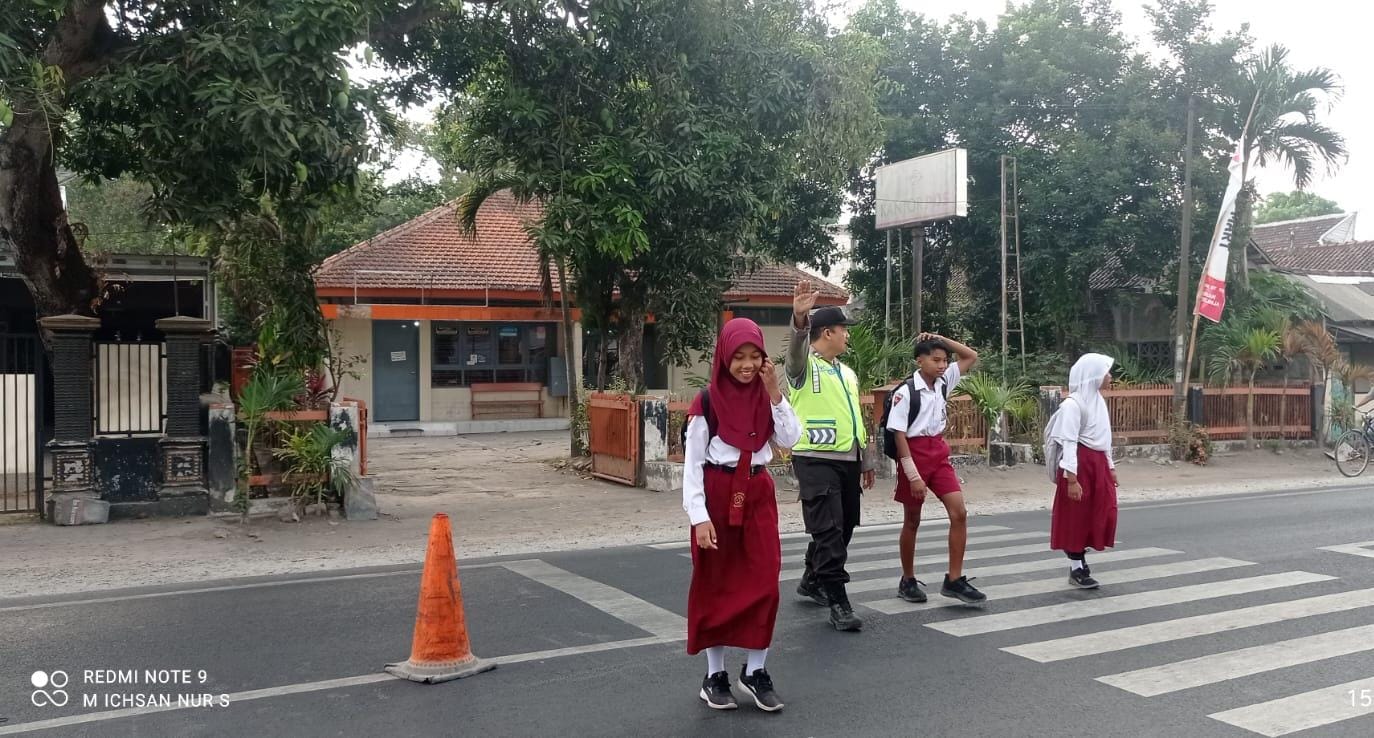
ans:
(754, 470)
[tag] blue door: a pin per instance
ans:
(395, 370)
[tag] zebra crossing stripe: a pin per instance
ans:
(940, 558)
(1000, 592)
(1120, 639)
(1021, 567)
(1122, 603)
(799, 535)
(1221, 667)
(1305, 711)
(888, 538)
(890, 548)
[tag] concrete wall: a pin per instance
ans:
(356, 339)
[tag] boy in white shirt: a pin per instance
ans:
(923, 461)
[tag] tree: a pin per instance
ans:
(1282, 206)
(1285, 129)
(221, 109)
(1242, 350)
(671, 144)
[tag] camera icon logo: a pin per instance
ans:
(49, 689)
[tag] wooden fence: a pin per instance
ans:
(1139, 415)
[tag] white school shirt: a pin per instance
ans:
(786, 432)
(1070, 430)
(932, 417)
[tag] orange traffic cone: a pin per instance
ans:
(440, 651)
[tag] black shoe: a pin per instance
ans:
(910, 590)
(760, 687)
(715, 692)
(811, 590)
(961, 590)
(842, 615)
(1081, 579)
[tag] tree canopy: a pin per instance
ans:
(1293, 205)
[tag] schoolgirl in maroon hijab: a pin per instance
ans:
(729, 498)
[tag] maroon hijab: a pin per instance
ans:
(744, 414)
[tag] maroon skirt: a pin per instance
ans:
(733, 600)
(1091, 521)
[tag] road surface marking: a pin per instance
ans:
(320, 686)
(1356, 549)
(1220, 667)
(1303, 711)
(1122, 603)
(1020, 567)
(800, 535)
(889, 538)
(999, 592)
(1120, 639)
(617, 603)
(972, 555)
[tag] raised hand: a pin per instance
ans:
(804, 297)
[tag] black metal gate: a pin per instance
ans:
(22, 423)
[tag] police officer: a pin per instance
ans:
(829, 460)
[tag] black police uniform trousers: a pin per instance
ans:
(830, 493)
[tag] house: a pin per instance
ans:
(1320, 255)
(438, 317)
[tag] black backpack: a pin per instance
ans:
(890, 443)
(705, 397)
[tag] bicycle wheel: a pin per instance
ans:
(1352, 453)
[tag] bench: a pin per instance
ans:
(507, 400)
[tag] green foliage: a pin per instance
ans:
(992, 397)
(1042, 368)
(1240, 350)
(875, 360)
(311, 467)
(1189, 442)
(671, 143)
(1282, 206)
(265, 392)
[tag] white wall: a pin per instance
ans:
(132, 388)
(16, 423)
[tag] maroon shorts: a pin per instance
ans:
(931, 455)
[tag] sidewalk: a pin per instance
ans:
(506, 495)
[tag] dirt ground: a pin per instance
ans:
(506, 494)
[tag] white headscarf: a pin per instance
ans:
(1085, 387)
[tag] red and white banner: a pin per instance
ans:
(1211, 296)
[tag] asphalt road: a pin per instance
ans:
(1195, 632)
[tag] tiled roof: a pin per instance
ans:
(1301, 233)
(1352, 257)
(1112, 276)
(433, 253)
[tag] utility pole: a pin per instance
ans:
(1184, 262)
(918, 248)
(887, 299)
(1003, 221)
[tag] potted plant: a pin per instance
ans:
(312, 470)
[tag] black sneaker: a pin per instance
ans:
(960, 589)
(760, 687)
(842, 615)
(1081, 579)
(910, 590)
(811, 590)
(715, 692)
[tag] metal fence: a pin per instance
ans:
(22, 380)
(130, 386)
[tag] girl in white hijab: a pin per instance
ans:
(1085, 492)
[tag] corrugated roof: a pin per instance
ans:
(1342, 303)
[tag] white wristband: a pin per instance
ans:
(909, 469)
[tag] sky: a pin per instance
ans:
(1317, 32)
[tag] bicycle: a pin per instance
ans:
(1353, 448)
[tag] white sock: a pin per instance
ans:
(1075, 564)
(715, 660)
(756, 658)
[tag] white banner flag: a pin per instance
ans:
(1211, 298)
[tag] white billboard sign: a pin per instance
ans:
(923, 190)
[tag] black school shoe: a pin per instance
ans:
(1082, 579)
(842, 617)
(715, 692)
(760, 687)
(960, 589)
(910, 590)
(811, 590)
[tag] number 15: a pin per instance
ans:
(1361, 698)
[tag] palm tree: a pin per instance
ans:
(1284, 129)
(1292, 344)
(1244, 350)
(1322, 354)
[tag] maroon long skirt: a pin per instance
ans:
(733, 600)
(1090, 522)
